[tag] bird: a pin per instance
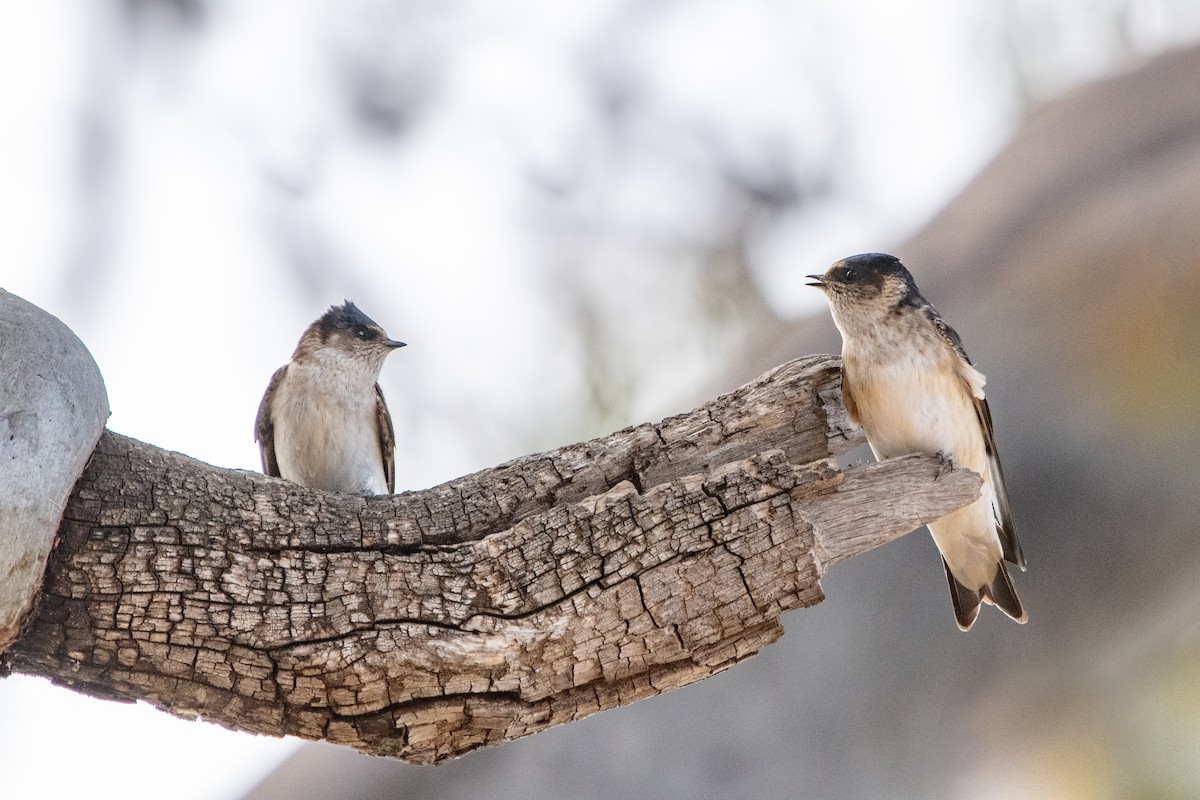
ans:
(323, 422)
(908, 382)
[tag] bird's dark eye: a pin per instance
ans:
(363, 332)
(848, 275)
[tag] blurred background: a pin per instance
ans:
(591, 214)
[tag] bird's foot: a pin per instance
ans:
(946, 466)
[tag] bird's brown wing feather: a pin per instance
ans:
(848, 399)
(264, 425)
(1004, 526)
(387, 439)
(948, 333)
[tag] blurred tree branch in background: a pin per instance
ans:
(428, 624)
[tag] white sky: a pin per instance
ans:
(433, 236)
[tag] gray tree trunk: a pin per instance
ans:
(52, 410)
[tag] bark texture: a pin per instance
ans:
(430, 623)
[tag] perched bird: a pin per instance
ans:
(907, 380)
(323, 422)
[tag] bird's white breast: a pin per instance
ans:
(326, 432)
(914, 404)
(916, 397)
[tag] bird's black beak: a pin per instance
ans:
(394, 344)
(818, 281)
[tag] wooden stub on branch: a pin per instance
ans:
(427, 624)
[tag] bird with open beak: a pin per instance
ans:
(908, 382)
(323, 422)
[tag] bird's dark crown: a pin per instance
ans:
(347, 330)
(872, 269)
(347, 317)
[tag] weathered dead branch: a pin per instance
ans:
(430, 623)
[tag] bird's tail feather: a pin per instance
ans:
(999, 592)
(966, 601)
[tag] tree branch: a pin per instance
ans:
(430, 623)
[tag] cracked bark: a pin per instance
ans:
(429, 623)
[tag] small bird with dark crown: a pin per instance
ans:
(323, 422)
(908, 382)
